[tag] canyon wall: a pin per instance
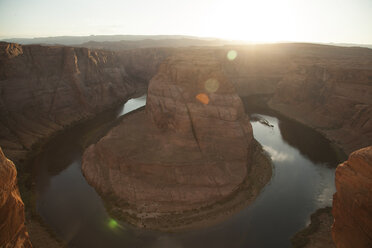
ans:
(352, 203)
(335, 101)
(325, 87)
(13, 232)
(46, 88)
(193, 147)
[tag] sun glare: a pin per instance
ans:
(259, 21)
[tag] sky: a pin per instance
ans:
(338, 21)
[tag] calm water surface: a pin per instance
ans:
(303, 180)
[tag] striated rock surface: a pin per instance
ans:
(328, 88)
(193, 147)
(335, 101)
(352, 203)
(45, 88)
(13, 232)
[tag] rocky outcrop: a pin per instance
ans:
(352, 203)
(191, 152)
(45, 88)
(318, 233)
(352, 208)
(13, 232)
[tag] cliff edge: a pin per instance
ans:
(46, 88)
(13, 231)
(352, 203)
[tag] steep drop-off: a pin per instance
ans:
(335, 101)
(13, 232)
(352, 203)
(191, 155)
(45, 88)
(328, 88)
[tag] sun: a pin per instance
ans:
(260, 21)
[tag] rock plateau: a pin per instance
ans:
(187, 157)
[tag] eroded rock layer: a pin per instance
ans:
(352, 203)
(328, 88)
(13, 232)
(335, 101)
(45, 88)
(191, 148)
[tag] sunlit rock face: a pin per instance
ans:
(45, 88)
(352, 203)
(328, 88)
(335, 101)
(190, 148)
(13, 232)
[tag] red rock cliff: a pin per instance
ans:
(13, 232)
(45, 88)
(335, 101)
(352, 203)
(328, 88)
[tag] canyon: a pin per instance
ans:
(46, 89)
(171, 165)
(327, 88)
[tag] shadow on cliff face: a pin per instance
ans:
(297, 134)
(66, 148)
(305, 139)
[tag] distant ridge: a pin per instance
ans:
(146, 40)
(78, 40)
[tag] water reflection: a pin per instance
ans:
(302, 182)
(305, 139)
(133, 104)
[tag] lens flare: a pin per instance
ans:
(211, 85)
(113, 223)
(203, 98)
(231, 55)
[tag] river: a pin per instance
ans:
(303, 180)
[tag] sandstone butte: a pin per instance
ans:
(185, 159)
(352, 203)
(13, 232)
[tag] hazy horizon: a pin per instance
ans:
(176, 36)
(255, 21)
